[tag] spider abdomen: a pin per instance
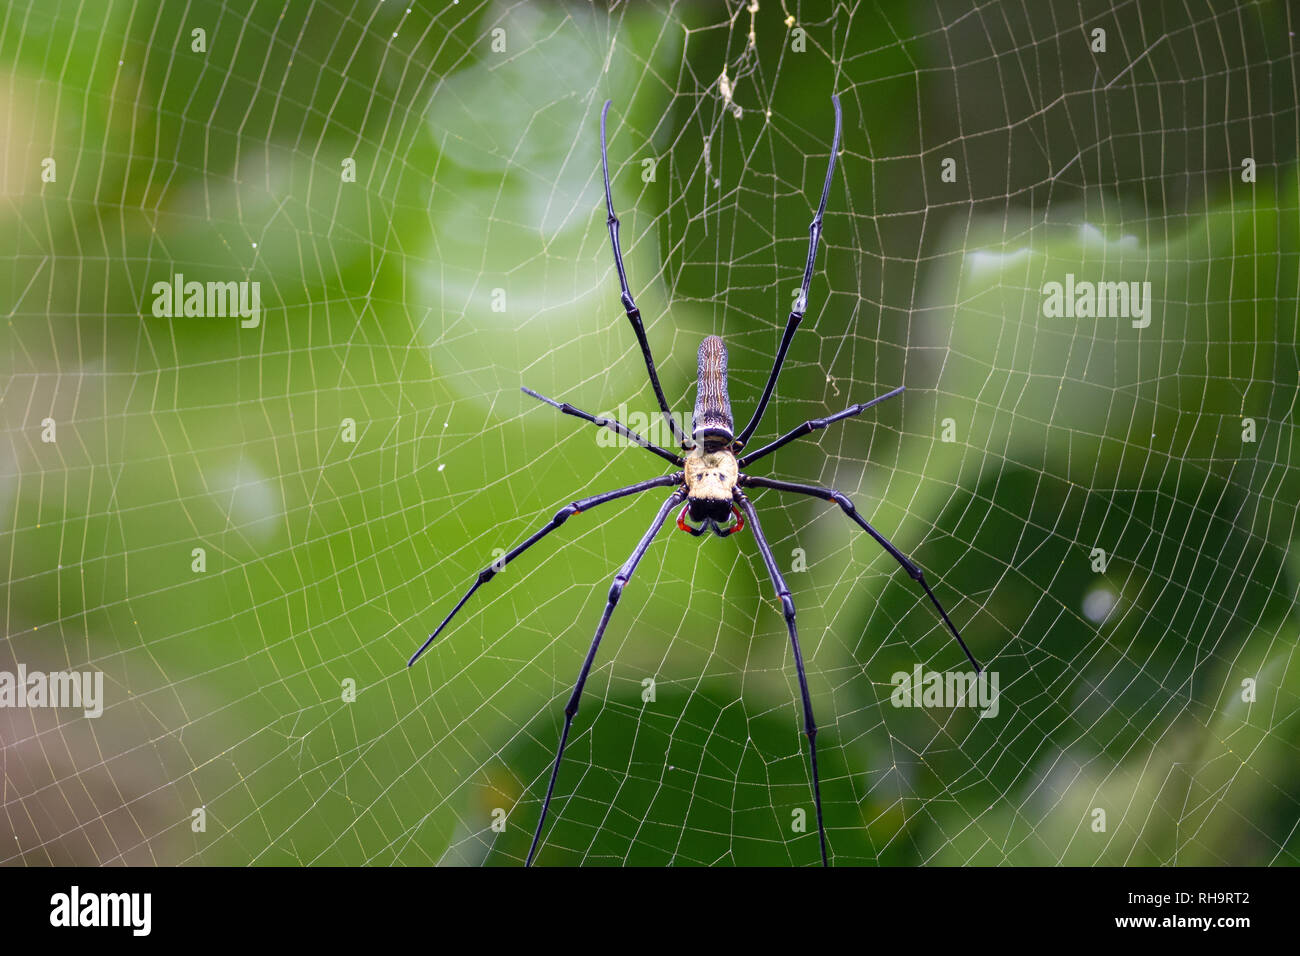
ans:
(713, 426)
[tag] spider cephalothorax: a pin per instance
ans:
(710, 480)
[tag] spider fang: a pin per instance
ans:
(710, 525)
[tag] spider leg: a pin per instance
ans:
(801, 304)
(829, 494)
(615, 592)
(813, 425)
(787, 607)
(561, 516)
(612, 424)
(629, 306)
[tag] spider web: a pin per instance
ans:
(1107, 512)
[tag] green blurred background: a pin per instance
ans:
(477, 185)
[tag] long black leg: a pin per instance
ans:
(615, 592)
(576, 507)
(801, 304)
(612, 424)
(816, 423)
(629, 306)
(829, 494)
(787, 607)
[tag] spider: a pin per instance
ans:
(708, 482)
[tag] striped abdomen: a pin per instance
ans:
(713, 424)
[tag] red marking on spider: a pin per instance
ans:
(737, 525)
(681, 520)
(740, 521)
